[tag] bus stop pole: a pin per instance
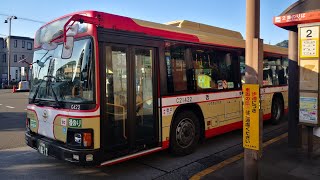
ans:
(253, 75)
(294, 130)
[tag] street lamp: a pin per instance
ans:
(8, 20)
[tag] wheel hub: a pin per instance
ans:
(185, 132)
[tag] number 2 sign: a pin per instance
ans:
(309, 42)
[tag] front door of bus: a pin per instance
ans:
(129, 98)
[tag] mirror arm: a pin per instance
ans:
(77, 17)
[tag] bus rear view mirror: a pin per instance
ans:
(49, 46)
(67, 48)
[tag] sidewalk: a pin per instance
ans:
(278, 162)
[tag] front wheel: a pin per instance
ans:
(184, 133)
(276, 110)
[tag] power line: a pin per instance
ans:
(25, 19)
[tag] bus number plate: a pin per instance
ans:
(75, 106)
(43, 149)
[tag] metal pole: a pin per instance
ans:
(310, 141)
(294, 130)
(254, 68)
(9, 49)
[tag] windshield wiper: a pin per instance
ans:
(55, 95)
(36, 92)
(49, 77)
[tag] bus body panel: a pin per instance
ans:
(221, 114)
(60, 121)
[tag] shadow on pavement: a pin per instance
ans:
(12, 121)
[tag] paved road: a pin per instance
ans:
(12, 118)
(20, 162)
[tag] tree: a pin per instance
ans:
(283, 44)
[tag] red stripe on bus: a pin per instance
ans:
(70, 116)
(131, 157)
(67, 110)
(223, 129)
(267, 116)
(165, 144)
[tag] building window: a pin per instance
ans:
(4, 58)
(5, 44)
(16, 74)
(15, 58)
(29, 45)
(23, 44)
(22, 57)
(15, 43)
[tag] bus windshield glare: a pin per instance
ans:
(63, 80)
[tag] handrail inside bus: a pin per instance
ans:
(123, 117)
(123, 113)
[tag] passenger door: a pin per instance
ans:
(129, 98)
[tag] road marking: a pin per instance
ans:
(233, 159)
(10, 107)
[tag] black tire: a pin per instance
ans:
(276, 110)
(184, 133)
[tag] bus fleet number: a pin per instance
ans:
(75, 106)
(182, 100)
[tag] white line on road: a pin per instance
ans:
(10, 107)
(0, 104)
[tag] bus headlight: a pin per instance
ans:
(78, 138)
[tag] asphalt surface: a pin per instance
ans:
(21, 162)
(12, 118)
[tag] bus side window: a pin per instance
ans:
(176, 68)
(215, 69)
(206, 71)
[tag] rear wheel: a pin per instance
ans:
(276, 110)
(184, 133)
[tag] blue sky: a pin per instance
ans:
(228, 14)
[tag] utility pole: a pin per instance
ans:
(254, 68)
(9, 19)
(294, 129)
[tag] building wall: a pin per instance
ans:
(21, 48)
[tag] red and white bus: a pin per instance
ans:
(107, 88)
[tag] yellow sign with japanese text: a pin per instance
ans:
(309, 42)
(251, 100)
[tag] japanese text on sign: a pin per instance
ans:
(251, 105)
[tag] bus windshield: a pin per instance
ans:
(63, 80)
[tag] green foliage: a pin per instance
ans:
(283, 44)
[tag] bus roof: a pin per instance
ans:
(181, 30)
(208, 34)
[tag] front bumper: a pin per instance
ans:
(60, 151)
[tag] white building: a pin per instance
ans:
(21, 48)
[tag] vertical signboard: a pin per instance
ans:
(251, 106)
(309, 74)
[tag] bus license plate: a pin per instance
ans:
(43, 149)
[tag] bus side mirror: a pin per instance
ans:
(68, 45)
(67, 48)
